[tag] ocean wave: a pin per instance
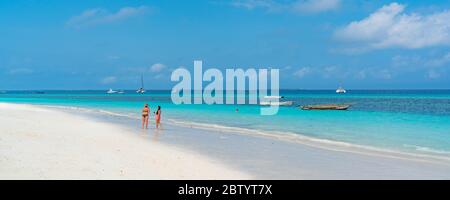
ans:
(426, 149)
(315, 142)
(92, 110)
(68, 108)
(290, 136)
(117, 114)
(284, 135)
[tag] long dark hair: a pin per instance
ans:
(159, 108)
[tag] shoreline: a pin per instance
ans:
(41, 143)
(290, 137)
(323, 143)
(259, 157)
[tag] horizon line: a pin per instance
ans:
(6, 90)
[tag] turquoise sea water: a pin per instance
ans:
(415, 121)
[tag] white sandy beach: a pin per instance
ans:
(44, 143)
(40, 143)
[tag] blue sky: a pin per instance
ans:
(317, 44)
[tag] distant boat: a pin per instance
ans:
(275, 103)
(273, 97)
(141, 90)
(111, 91)
(121, 92)
(341, 90)
(269, 101)
(326, 107)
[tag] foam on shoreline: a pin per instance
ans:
(429, 154)
(53, 144)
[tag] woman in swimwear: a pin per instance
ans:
(145, 112)
(158, 116)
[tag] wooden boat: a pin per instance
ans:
(326, 107)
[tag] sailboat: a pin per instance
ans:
(141, 90)
(341, 90)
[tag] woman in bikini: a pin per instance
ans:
(145, 113)
(158, 116)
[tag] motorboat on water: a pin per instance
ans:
(341, 90)
(273, 97)
(274, 101)
(111, 91)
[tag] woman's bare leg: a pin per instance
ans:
(146, 122)
(143, 121)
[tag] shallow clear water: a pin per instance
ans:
(406, 120)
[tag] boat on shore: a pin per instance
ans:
(326, 107)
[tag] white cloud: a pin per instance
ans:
(339, 73)
(302, 72)
(98, 16)
(406, 61)
(326, 72)
(389, 26)
(421, 61)
(296, 6)
(157, 67)
(108, 80)
(373, 73)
